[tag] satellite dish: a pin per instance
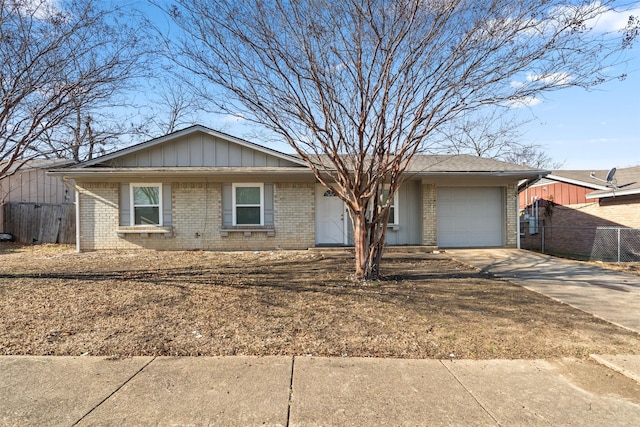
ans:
(609, 180)
(610, 175)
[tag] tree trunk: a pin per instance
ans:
(369, 245)
(361, 243)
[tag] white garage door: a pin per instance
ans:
(470, 217)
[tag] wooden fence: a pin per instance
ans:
(40, 222)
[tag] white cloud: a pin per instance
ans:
(612, 20)
(39, 9)
(525, 101)
(553, 79)
(231, 119)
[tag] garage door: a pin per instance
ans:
(470, 217)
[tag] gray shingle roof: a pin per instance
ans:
(465, 163)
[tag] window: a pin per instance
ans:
(393, 218)
(248, 204)
(146, 204)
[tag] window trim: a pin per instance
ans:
(234, 206)
(133, 205)
(394, 205)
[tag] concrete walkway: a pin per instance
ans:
(610, 295)
(307, 391)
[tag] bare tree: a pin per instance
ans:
(174, 107)
(496, 135)
(86, 133)
(59, 62)
(358, 87)
(532, 155)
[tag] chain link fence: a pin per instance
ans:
(607, 244)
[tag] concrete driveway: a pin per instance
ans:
(609, 295)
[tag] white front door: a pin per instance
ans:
(330, 218)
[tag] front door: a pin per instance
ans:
(330, 218)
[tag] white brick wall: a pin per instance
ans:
(197, 220)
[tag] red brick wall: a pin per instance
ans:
(573, 229)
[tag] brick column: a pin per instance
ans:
(429, 215)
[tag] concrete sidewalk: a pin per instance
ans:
(610, 295)
(286, 391)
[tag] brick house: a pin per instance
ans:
(578, 208)
(202, 189)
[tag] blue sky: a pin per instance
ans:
(597, 129)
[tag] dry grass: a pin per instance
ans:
(57, 302)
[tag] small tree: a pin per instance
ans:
(59, 63)
(358, 87)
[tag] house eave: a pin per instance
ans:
(576, 182)
(99, 172)
(509, 174)
(612, 193)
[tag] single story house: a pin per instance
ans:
(202, 189)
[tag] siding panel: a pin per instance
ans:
(125, 204)
(170, 156)
(235, 155)
(222, 153)
(227, 204)
(183, 155)
(196, 152)
(247, 157)
(268, 204)
(166, 205)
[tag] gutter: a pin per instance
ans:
(612, 193)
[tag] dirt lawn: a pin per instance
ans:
(54, 301)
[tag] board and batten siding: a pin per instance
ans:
(409, 231)
(200, 150)
(34, 186)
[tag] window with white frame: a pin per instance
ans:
(248, 204)
(146, 204)
(393, 211)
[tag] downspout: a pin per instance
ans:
(518, 217)
(77, 220)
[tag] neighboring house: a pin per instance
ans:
(578, 206)
(36, 207)
(202, 189)
(31, 184)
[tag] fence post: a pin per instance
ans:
(542, 236)
(618, 245)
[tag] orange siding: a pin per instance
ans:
(561, 193)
